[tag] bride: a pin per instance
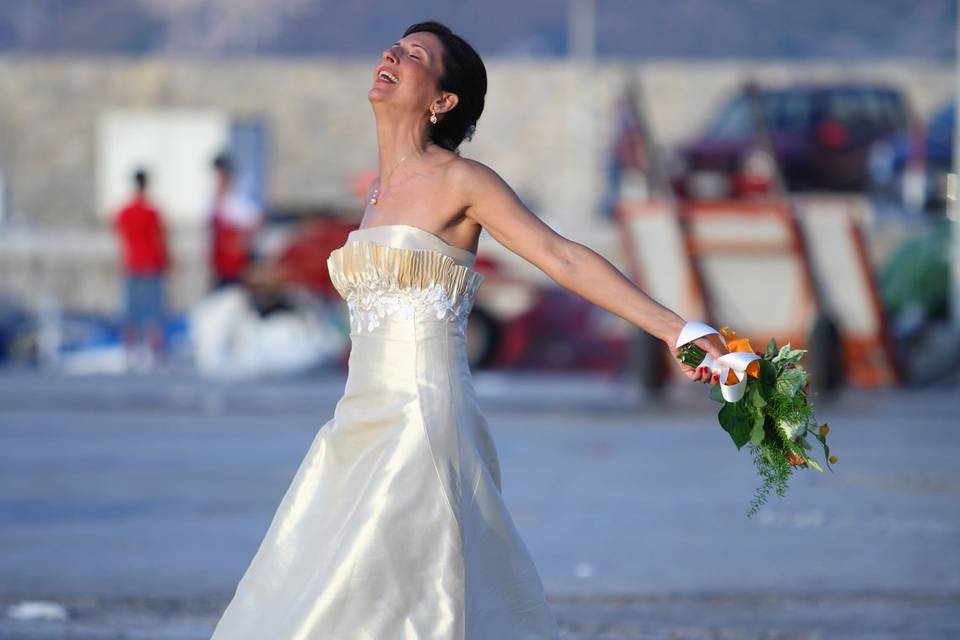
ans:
(394, 525)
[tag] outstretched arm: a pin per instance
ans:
(494, 205)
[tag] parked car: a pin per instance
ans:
(910, 179)
(819, 135)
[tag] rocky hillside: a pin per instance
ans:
(837, 29)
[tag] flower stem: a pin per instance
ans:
(691, 355)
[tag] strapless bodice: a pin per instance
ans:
(399, 273)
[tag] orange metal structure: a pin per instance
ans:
(742, 238)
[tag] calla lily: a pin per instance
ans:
(743, 345)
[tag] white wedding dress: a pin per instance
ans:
(394, 525)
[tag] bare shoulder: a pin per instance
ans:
(474, 179)
(469, 170)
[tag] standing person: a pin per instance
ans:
(394, 525)
(145, 260)
(234, 223)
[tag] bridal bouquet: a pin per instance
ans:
(765, 404)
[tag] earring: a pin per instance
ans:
(433, 116)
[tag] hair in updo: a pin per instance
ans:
(464, 75)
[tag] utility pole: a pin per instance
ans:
(581, 29)
(580, 173)
(953, 186)
(253, 23)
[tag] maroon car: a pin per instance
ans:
(819, 135)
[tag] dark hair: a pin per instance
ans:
(140, 179)
(464, 75)
(223, 163)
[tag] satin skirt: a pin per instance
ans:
(394, 525)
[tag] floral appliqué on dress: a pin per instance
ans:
(379, 281)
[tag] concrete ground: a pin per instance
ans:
(134, 504)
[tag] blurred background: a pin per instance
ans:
(175, 173)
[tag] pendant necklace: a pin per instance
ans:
(376, 192)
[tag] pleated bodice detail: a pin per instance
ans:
(395, 273)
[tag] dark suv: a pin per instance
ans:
(820, 136)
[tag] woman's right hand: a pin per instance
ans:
(713, 345)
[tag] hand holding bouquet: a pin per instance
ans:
(765, 404)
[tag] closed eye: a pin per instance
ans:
(410, 54)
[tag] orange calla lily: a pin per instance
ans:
(735, 344)
(743, 345)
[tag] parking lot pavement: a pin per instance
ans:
(137, 502)
(893, 616)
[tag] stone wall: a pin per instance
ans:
(547, 129)
(80, 268)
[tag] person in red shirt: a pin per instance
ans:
(234, 221)
(140, 230)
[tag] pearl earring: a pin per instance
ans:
(433, 116)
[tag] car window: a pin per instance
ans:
(895, 110)
(784, 111)
(788, 111)
(866, 109)
(732, 122)
(843, 106)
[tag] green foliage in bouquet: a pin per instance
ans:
(774, 417)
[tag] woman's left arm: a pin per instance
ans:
(494, 205)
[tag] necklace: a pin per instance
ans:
(375, 198)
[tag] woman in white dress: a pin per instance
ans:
(394, 525)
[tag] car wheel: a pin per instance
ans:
(483, 338)
(649, 361)
(824, 356)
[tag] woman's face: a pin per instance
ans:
(409, 72)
